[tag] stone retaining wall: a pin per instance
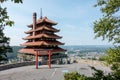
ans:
(9, 66)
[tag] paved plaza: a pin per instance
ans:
(43, 73)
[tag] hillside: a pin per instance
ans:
(82, 49)
(13, 55)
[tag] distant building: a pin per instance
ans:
(41, 36)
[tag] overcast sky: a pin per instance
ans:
(74, 17)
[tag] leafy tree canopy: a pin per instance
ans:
(4, 18)
(5, 21)
(109, 25)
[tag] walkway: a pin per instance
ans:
(43, 73)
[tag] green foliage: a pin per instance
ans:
(102, 58)
(15, 1)
(108, 27)
(4, 46)
(113, 58)
(98, 75)
(108, 7)
(3, 51)
(74, 76)
(113, 55)
(5, 21)
(4, 18)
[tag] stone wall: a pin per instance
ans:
(9, 66)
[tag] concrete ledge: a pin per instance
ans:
(9, 66)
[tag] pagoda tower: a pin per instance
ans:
(42, 36)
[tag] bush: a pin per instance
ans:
(74, 76)
(102, 58)
(98, 75)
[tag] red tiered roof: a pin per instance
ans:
(43, 27)
(44, 19)
(43, 35)
(32, 51)
(39, 43)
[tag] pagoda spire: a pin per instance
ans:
(40, 13)
(34, 24)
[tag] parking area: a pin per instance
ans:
(43, 73)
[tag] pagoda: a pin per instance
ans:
(41, 36)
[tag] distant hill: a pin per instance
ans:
(88, 48)
(13, 55)
(82, 49)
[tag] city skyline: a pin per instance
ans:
(75, 20)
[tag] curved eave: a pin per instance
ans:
(58, 50)
(43, 35)
(42, 28)
(50, 29)
(49, 21)
(31, 25)
(43, 20)
(32, 51)
(27, 32)
(47, 28)
(40, 43)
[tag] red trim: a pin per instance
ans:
(49, 59)
(36, 59)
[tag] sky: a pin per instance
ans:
(74, 17)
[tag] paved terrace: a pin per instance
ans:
(43, 73)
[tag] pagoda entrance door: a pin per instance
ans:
(38, 52)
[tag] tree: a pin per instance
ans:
(109, 25)
(4, 46)
(97, 75)
(5, 21)
(113, 58)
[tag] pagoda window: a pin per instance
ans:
(43, 31)
(30, 40)
(49, 32)
(38, 32)
(30, 34)
(47, 38)
(29, 47)
(38, 39)
(39, 25)
(53, 39)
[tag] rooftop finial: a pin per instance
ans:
(41, 13)
(34, 14)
